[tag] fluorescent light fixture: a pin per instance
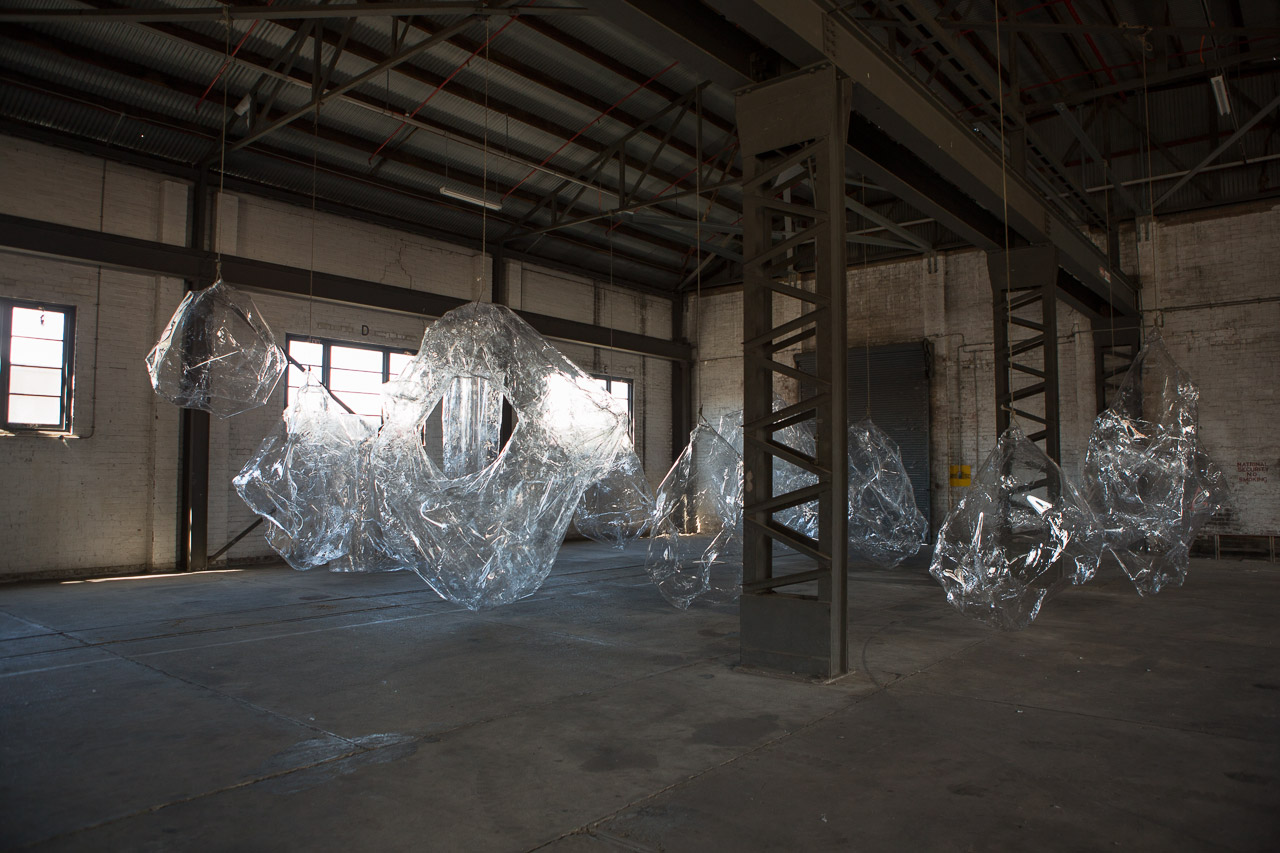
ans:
(475, 197)
(1220, 94)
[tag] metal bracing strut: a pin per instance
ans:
(1024, 301)
(793, 133)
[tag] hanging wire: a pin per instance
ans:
(222, 154)
(1151, 206)
(1004, 198)
(697, 241)
(866, 324)
(311, 274)
(484, 168)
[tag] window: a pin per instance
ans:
(353, 372)
(619, 389)
(35, 366)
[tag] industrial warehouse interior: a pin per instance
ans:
(639, 425)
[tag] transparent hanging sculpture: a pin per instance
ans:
(695, 545)
(484, 525)
(368, 549)
(1147, 475)
(1020, 533)
(217, 354)
(617, 508)
(885, 525)
(305, 479)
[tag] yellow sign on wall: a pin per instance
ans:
(960, 475)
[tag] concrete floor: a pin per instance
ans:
(267, 709)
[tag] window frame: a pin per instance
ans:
(631, 392)
(326, 357)
(7, 304)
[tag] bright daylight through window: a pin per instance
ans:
(35, 366)
(354, 373)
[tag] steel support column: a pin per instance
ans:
(193, 518)
(793, 132)
(1024, 301)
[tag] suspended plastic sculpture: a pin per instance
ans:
(484, 527)
(217, 354)
(695, 549)
(1020, 533)
(885, 525)
(305, 479)
(1148, 477)
(617, 508)
(369, 550)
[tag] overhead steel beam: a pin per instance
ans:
(902, 108)
(1125, 30)
(693, 34)
(1217, 152)
(169, 14)
(30, 236)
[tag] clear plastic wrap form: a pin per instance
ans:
(617, 508)
(369, 550)
(695, 545)
(1146, 473)
(304, 480)
(217, 354)
(489, 535)
(885, 525)
(1019, 534)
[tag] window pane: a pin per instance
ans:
(355, 380)
(44, 381)
(307, 352)
(399, 360)
(44, 411)
(362, 404)
(352, 358)
(622, 390)
(34, 352)
(33, 323)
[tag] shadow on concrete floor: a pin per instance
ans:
(268, 709)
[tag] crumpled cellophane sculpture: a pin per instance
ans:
(617, 508)
(1147, 475)
(695, 545)
(305, 478)
(885, 525)
(217, 354)
(786, 476)
(368, 550)
(1020, 533)
(486, 536)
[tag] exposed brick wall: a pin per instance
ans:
(1195, 263)
(107, 499)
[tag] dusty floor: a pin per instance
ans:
(267, 709)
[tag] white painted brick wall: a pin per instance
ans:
(107, 500)
(1230, 351)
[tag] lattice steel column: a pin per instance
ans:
(1024, 291)
(793, 134)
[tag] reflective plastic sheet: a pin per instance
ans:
(217, 354)
(617, 508)
(695, 549)
(486, 536)
(304, 479)
(1147, 475)
(885, 525)
(1021, 532)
